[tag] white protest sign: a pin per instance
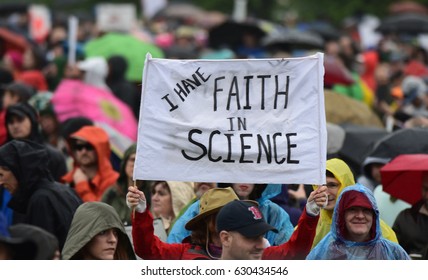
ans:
(116, 17)
(40, 22)
(233, 121)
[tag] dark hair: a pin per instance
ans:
(254, 195)
(199, 234)
(122, 181)
(329, 174)
(40, 60)
(163, 183)
(6, 78)
(72, 125)
(257, 191)
(23, 91)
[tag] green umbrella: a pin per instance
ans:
(133, 49)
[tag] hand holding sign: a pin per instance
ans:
(136, 200)
(317, 199)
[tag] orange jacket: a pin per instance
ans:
(106, 176)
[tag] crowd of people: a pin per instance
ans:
(65, 193)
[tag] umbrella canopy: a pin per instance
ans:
(289, 39)
(407, 7)
(402, 141)
(359, 140)
(130, 47)
(181, 11)
(211, 18)
(325, 29)
(6, 9)
(341, 109)
(402, 177)
(230, 33)
(74, 98)
(406, 23)
(187, 13)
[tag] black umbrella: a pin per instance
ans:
(293, 39)
(359, 140)
(407, 23)
(7, 9)
(326, 30)
(402, 141)
(230, 33)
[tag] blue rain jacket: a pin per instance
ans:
(334, 246)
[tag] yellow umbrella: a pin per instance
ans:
(341, 109)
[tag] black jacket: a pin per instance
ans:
(411, 228)
(126, 91)
(43, 202)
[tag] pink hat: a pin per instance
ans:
(16, 58)
(164, 40)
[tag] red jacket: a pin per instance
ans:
(300, 243)
(150, 247)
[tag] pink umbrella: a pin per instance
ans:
(74, 98)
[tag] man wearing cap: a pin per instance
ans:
(241, 228)
(355, 232)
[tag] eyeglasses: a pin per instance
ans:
(79, 147)
(331, 185)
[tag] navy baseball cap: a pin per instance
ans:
(243, 216)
